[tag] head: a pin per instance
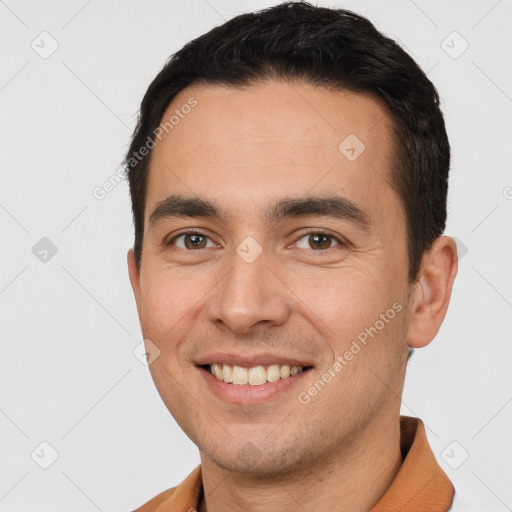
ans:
(288, 176)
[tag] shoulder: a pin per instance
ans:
(184, 496)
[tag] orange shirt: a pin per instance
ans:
(420, 485)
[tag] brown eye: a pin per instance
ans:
(190, 241)
(195, 241)
(318, 241)
(322, 241)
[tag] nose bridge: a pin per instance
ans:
(250, 293)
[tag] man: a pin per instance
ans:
(288, 177)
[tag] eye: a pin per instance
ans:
(319, 241)
(190, 240)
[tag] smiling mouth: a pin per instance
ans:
(254, 376)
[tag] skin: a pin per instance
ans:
(242, 149)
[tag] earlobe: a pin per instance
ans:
(134, 274)
(432, 292)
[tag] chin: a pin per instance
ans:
(261, 461)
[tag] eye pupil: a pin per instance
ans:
(315, 237)
(194, 238)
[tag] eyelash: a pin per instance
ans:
(340, 242)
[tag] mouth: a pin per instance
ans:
(253, 385)
(255, 375)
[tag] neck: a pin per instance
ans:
(352, 477)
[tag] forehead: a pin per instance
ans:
(239, 145)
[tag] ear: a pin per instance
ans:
(134, 273)
(431, 293)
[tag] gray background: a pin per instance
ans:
(69, 376)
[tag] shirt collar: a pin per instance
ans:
(420, 484)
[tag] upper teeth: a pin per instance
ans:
(254, 376)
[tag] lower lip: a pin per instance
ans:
(247, 394)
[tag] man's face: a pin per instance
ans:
(302, 287)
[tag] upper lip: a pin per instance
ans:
(247, 360)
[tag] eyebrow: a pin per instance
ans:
(337, 207)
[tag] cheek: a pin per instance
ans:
(362, 318)
(343, 301)
(167, 307)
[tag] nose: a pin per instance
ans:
(250, 296)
